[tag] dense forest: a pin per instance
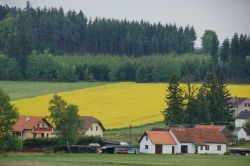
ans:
(50, 44)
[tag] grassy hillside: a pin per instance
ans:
(22, 159)
(123, 134)
(116, 105)
(25, 89)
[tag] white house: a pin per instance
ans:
(199, 140)
(91, 126)
(240, 104)
(244, 134)
(184, 140)
(241, 118)
(157, 142)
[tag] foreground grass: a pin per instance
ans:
(25, 89)
(123, 134)
(110, 159)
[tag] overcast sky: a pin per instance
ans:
(224, 16)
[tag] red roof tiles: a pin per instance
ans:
(160, 137)
(218, 127)
(199, 136)
(26, 122)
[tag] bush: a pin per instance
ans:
(10, 143)
(14, 144)
(40, 143)
(86, 140)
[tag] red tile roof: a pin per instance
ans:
(160, 137)
(218, 127)
(26, 122)
(199, 136)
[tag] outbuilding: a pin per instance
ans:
(157, 142)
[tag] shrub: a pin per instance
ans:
(40, 143)
(10, 143)
(85, 140)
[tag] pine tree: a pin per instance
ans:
(225, 51)
(174, 114)
(218, 99)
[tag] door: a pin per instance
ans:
(196, 149)
(184, 148)
(158, 149)
(172, 149)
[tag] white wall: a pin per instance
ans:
(239, 122)
(94, 132)
(242, 135)
(151, 147)
(167, 149)
(212, 149)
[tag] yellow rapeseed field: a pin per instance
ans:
(116, 105)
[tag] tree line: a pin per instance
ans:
(232, 58)
(67, 46)
(24, 30)
(46, 67)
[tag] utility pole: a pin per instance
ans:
(130, 134)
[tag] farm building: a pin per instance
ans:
(157, 142)
(244, 134)
(184, 140)
(241, 118)
(91, 126)
(240, 104)
(32, 127)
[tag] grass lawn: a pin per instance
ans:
(123, 134)
(21, 159)
(25, 89)
(240, 145)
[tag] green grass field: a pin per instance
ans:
(123, 134)
(25, 89)
(117, 160)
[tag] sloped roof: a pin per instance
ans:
(243, 115)
(199, 136)
(218, 127)
(236, 101)
(88, 121)
(160, 137)
(26, 122)
(247, 130)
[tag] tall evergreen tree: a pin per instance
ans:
(225, 51)
(218, 99)
(174, 99)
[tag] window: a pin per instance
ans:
(146, 146)
(96, 128)
(219, 147)
(91, 128)
(248, 104)
(245, 104)
(146, 138)
(207, 147)
(42, 135)
(43, 125)
(201, 147)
